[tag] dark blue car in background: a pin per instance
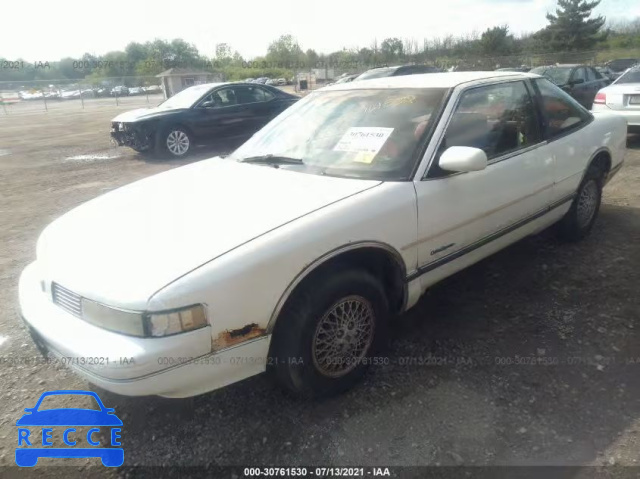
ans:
(34, 431)
(201, 114)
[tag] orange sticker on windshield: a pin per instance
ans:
(364, 157)
(400, 100)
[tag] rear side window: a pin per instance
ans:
(498, 119)
(561, 113)
(579, 74)
(254, 94)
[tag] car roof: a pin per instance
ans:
(208, 85)
(427, 80)
(560, 65)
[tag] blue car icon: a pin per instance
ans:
(35, 419)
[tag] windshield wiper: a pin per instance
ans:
(273, 160)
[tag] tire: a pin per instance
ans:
(143, 152)
(579, 220)
(314, 320)
(174, 142)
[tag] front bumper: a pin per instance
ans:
(134, 136)
(176, 366)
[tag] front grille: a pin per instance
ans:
(67, 300)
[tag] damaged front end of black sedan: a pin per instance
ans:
(139, 136)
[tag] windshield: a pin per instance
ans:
(187, 97)
(558, 75)
(622, 64)
(632, 76)
(345, 79)
(369, 134)
(377, 73)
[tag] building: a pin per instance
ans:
(324, 74)
(174, 80)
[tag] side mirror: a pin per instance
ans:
(463, 158)
(577, 81)
(208, 104)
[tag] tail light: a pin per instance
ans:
(600, 98)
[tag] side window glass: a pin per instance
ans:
(219, 99)
(498, 119)
(579, 74)
(592, 75)
(207, 101)
(266, 94)
(561, 112)
(227, 96)
(251, 94)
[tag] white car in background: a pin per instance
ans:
(293, 254)
(622, 97)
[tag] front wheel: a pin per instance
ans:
(579, 220)
(328, 332)
(175, 142)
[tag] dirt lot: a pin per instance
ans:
(476, 402)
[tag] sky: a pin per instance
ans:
(46, 31)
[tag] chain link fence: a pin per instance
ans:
(137, 92)
(313, 78)
(46, 95)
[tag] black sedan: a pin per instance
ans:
(200, 114)
(400, 70)
(580, 81)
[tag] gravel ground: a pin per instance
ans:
(528, 358)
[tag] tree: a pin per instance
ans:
(313, 59)
(391, 49)
(285, 52)
(223, 51)
(496, 42)
(224, 55)
(366, 57)
(571, 28)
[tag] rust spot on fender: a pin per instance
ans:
(231, 337)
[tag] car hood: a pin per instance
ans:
(124, 246)
(145, 114)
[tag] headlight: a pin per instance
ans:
(174, 322)
(144, 324)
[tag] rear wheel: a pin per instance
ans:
(579, 220)
(328, 332)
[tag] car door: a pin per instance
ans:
(594, 82)
(563, 128)
(461, 212)
(261, 106)
(578, 86)
(218, 115)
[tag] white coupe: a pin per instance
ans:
(293, 254)
(622, 97)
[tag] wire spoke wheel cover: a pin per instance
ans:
(343, 336)
(178, 142)
(587, 203)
